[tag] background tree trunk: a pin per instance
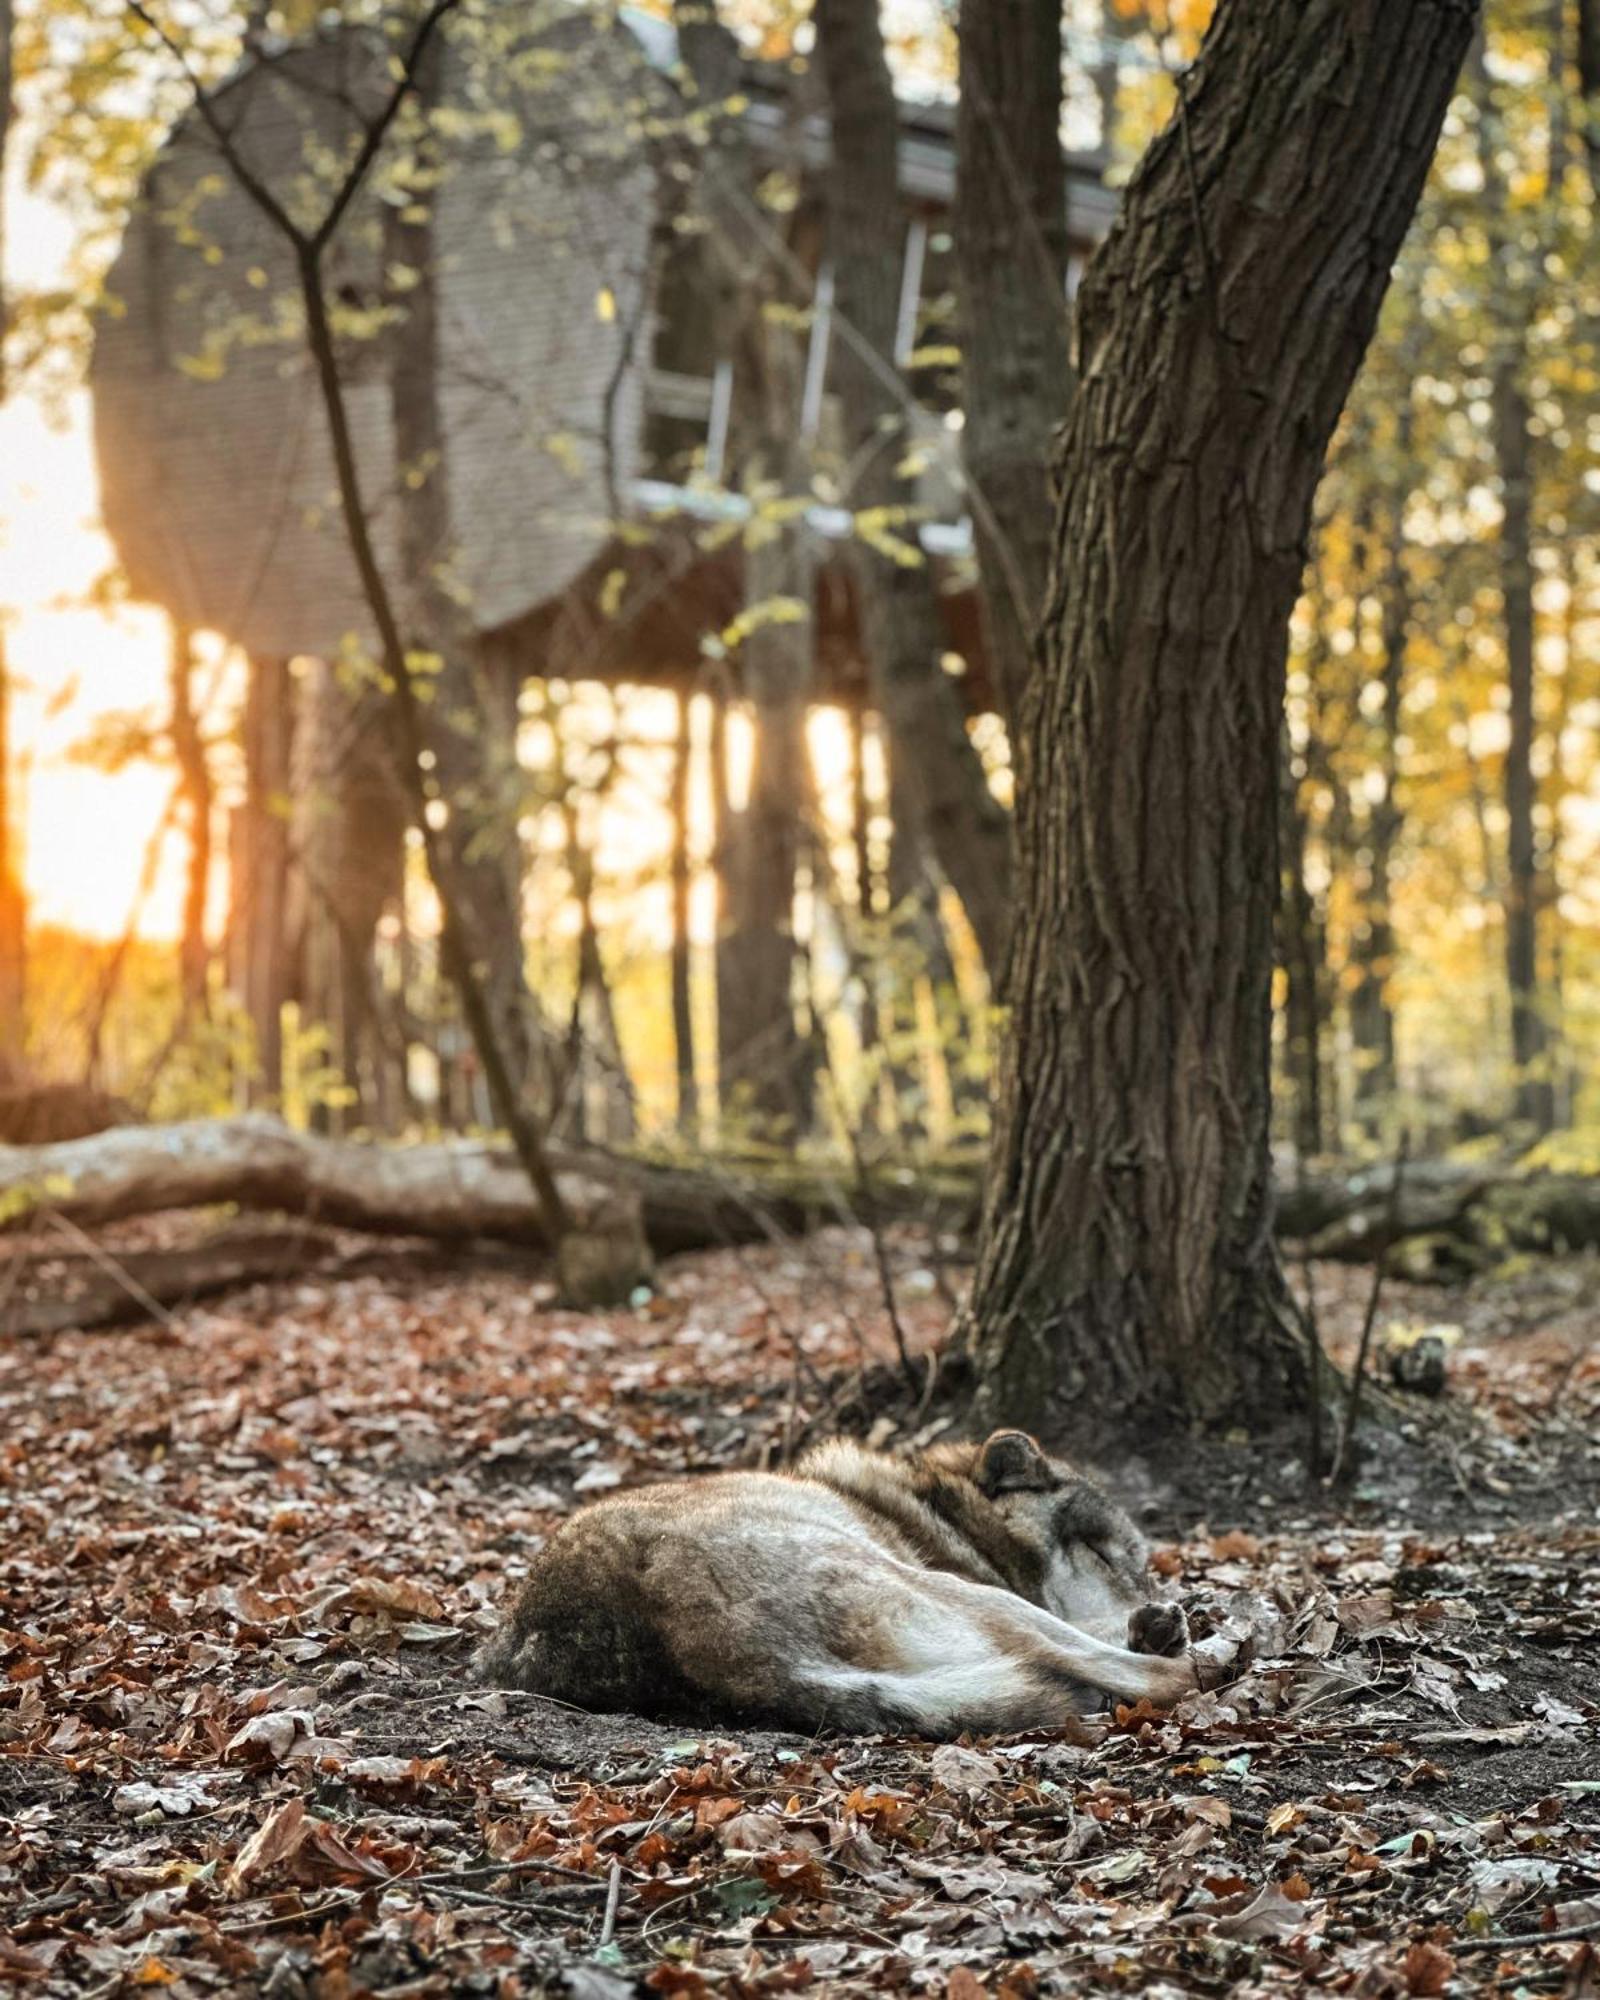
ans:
(1371, 1008)
(259, 869)
(349, 837)
(1533, 1099)
(957, 813)
(1532, 1096)
(13, 916)
(475, 721)
(1010, 224)
(194, 781)
(1589, 83)
(1126, 1262)
(1302, 954)
(688, 1087)
(760, 1054)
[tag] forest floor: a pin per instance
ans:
(245, 1553)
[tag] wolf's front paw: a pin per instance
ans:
(1158, 1628)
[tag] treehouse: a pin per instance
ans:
(550, 402)
(583, 431)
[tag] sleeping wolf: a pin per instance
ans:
(983, 1587)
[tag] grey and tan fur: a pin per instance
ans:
(984, 1587)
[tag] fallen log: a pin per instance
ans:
(52, 1293)
(44, 1291)
(451, 1190)
(459, 1190)
(1350, 1216)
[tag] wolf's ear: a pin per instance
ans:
(1011, 1462)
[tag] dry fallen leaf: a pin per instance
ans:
(1426, 1968)
(962, 1770)
(274, 1841)
(1269, 1914)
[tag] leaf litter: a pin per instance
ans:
(244, 1559)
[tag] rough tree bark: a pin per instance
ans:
(1126, 1263)
(956, 812)
(1016, 366)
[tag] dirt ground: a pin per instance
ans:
(245, 1555)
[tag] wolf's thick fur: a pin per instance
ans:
(968, 1587)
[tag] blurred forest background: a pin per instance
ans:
(727, 750)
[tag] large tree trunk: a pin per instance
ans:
(921, 706)
(1126, 1264)
(1016, 367)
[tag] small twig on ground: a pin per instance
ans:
(1569, 1934)
(608, 1923)
(573, 1879)
(1342, 1458)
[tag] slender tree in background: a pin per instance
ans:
(12, 908)
(475, 726)
(751, 306)
(1589, 83)
(194, 785)
(1011, 247)
(1372, 1014)
(258, 867)
(688, 1088)
(1301, 953)
(1512, 262)
(1126, 1263)
(413, 763)
(956, 812)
